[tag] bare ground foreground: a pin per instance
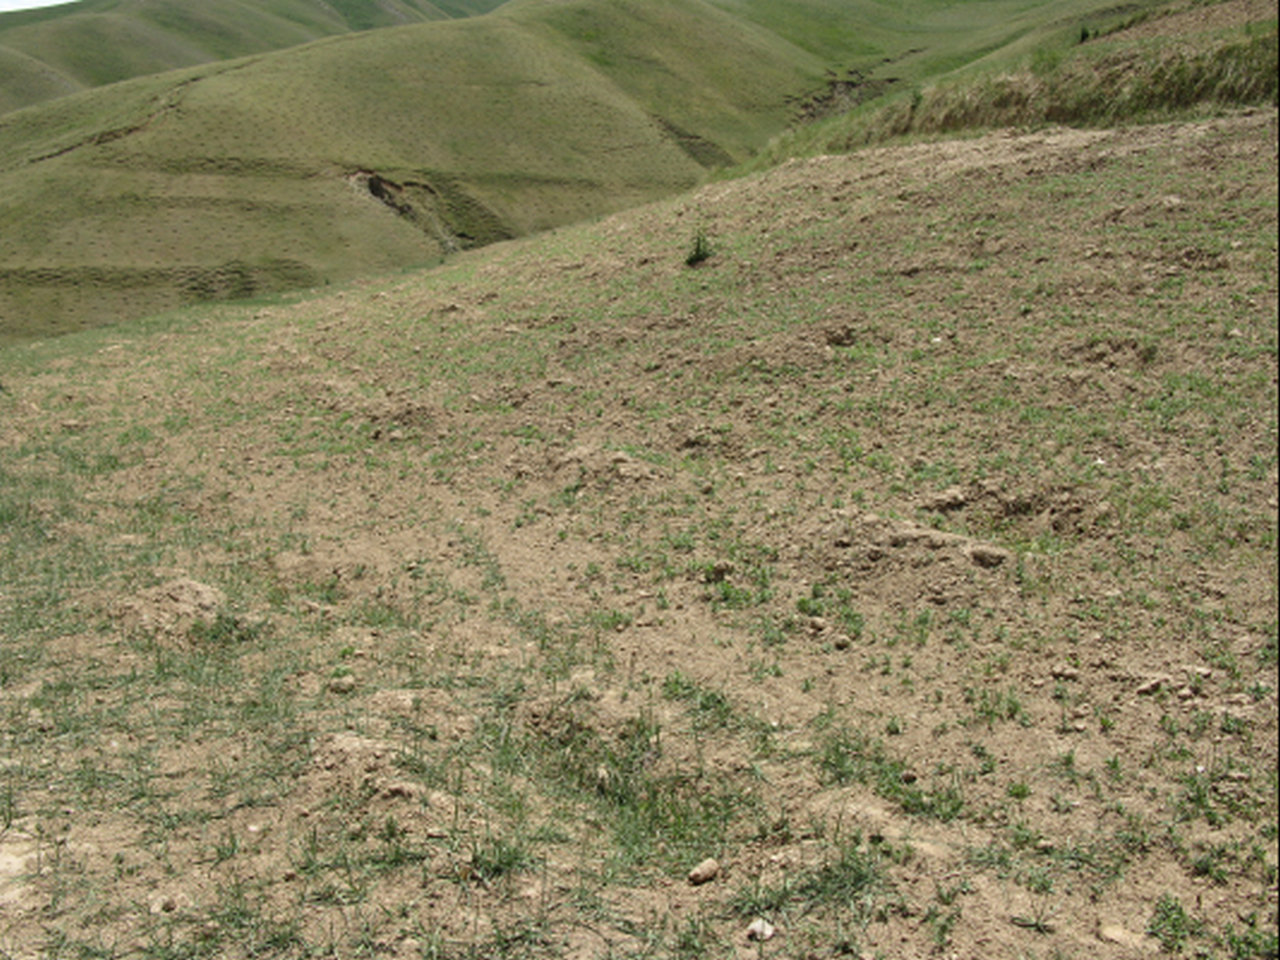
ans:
(913, 556)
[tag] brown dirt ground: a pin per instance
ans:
(967, 447)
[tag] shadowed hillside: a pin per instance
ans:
(54, 51)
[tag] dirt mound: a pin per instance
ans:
(171, 609)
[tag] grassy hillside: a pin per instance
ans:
(53, 51)
(368, 152)
(374, 151)
(1083, 67)
(914, 556)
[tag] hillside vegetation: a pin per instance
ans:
(375, 151)
(871, 556)
(1098, 69)
(913, 555)
(53, 51)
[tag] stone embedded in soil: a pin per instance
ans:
(169, 903)
(952, 498)
(1114, 933)
(761, 929)
(704, 872)
(988, 556)
(401, 789)
(1151, 686)
(344, 684)
(844, 336)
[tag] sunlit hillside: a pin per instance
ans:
(53, 51)
(392, 148)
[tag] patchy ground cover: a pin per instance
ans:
(912, 556)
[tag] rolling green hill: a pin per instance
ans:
(370, 152)
(54, 51)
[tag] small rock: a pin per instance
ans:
(440, 800)
(984, 555)
(1114, 933)
(343, 684)
(1066, 673)
(952, 498)
(169, 903)
(760, 929)
(401, 789)
(706, 871)
(1151, 686)
(844, 336)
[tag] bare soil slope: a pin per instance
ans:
(913, 556)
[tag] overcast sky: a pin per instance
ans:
(25, 4)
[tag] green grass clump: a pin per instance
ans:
(850, 756)
(852, 879)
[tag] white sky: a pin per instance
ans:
(6, 5)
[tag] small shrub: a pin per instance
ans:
(701, 250)
(226, 630)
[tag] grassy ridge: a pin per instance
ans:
(54, 51)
